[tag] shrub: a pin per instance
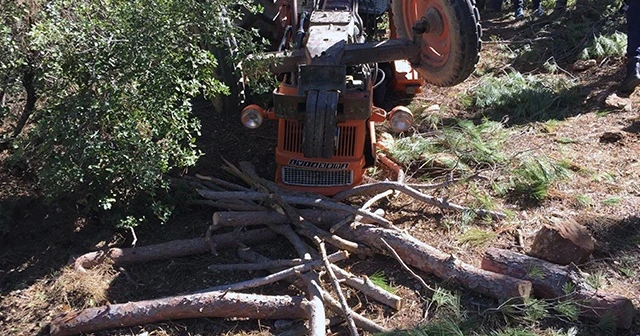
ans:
(115, 81)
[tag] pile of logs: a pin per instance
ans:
(312, 224)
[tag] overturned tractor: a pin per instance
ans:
(334, 67)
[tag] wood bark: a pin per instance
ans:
(295, 240)
(360, 321)
(247, 218)
(315, 308)
(318, 202)
(551, 281)
(564, 242)
(172, 249)
(281, 275)
(283, 263)
(226, 205)
(336, 287)
(368, 288)
(438, 263)
(376, 188)
(212, 304)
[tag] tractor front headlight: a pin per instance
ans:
(401, 119)
(252, 116)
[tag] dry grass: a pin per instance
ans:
(83, 289)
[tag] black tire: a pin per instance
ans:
(462, 20)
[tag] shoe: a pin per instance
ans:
(519, 14)
(538, 12)
(631, 80)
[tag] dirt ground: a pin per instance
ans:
(39, 237)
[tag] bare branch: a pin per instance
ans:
(336, 287)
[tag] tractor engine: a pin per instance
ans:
(329, 69)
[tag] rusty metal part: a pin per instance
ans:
(353, 54)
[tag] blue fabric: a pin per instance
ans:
(633, 33)
(535, 4)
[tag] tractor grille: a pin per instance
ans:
(316, 178)
(345, 138)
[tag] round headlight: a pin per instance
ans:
(252, 117)
(400, 119)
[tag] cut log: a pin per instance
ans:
(438, 263)
(315, 308)
(368, 288)
(236, 218)
(318, 202)
(212, 304)
(172, 249)
(551, 281)
(564, 242)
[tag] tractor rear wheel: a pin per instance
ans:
(450, 50)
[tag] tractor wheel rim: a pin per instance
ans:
(436, 45)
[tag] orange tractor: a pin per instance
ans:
(332, 71)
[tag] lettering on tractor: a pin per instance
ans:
(334, 70)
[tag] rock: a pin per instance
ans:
(582, 65)
(621, 103)
(610, 137)
(563, 242)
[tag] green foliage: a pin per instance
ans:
(534, 176)
(115, 81)
(513, 332)
(584, 200)
(455, 147)
(12, 55)
(596, 280)
(379, 279)
(602, 46)
(568, 309)
(612, 201)
(573, 331)
(525, 97)
(476, 237)
(566, 36)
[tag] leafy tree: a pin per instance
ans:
(114, 81)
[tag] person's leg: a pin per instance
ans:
(536, 5)
(632, 79)
(517, 8)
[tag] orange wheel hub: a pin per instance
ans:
(436, 44)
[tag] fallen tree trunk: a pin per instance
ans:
(438, 263)
(212, 304)
(172, 249)
(550, 281)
